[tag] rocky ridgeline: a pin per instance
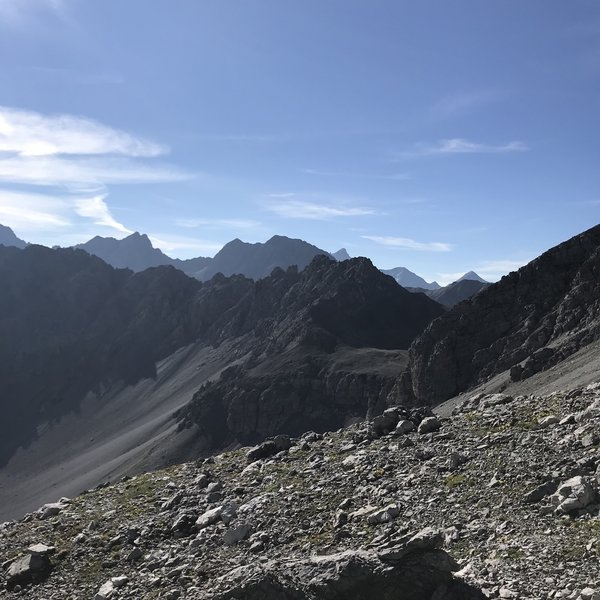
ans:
(499, 500)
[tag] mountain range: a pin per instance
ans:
(117, 372)
(89, 345)
(257, 260)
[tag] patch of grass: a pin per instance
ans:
(455, 480)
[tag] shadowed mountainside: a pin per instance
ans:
(529, 321)
(71, 324)
(329, 352)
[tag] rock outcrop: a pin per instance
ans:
(529, 321)
(316, 362)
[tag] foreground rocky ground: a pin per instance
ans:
(504, 493)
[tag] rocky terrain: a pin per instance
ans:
(503, 493)
(529, 321)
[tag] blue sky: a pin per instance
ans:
(440, 136)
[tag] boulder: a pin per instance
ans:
(428, 425)
(572, 495)
(31, 568)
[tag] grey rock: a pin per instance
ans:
(210, 517)
(28, 569)
(574, 494)
(236, 534)
(428, 425)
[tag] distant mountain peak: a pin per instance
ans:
(472, 276)
(407, 278)
(8, 238)
(341, 254)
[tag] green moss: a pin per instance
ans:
(455, 480)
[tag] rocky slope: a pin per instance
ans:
(70, 324)
(532, 319)
(308, 364)
(504, 493)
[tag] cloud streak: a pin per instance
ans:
(97, 211)
(299, 209)
(463, 146)
(55, 171)
(408, 244)
(28, 133)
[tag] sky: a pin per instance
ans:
(440, 136)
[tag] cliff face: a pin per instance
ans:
(527, 322)
(323, 346)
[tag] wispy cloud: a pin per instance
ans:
(284, 205)
(59, 171)
(463, 146)
(218, 223)
(32, 212)
(73, 159)
(97, 210)
(19, 13)
(28, 133)
(408, 244)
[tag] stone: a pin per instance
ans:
(270, 447)
(572, 495)
(428, 425)
(106, 591)
(545, 422)
(385, 515)
(209, 517)
(404, 426)
(41, 550)
(28, 569)
(236, 534)
(540, 492)
(385, 423)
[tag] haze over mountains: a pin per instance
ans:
(257, 260)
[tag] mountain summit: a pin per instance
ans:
(408, 279)
(471, 276)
